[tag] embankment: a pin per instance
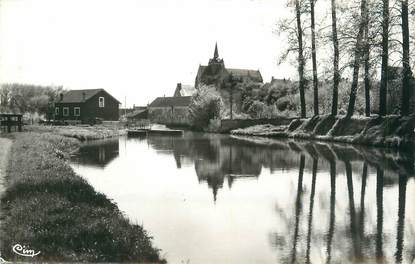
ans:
(390, 131)
(50, 209)
(82, 133)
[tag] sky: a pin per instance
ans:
(136, 49)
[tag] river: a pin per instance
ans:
(209, 198)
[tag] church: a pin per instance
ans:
(216, 72)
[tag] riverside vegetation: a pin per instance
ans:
(390, 131)
(49, 208)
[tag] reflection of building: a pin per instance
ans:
(99, 153)
(215, 158)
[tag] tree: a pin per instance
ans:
(406, 78)
(205, 105)
(314, 56)
(357, 59)
(336, 72)
(385, 58)
(367, 63)
(301, 60)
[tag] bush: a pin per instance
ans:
(206, 104)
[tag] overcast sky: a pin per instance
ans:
(134, 48)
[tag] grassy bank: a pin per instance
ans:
(82, 133)
(49, 208)
(390, 131)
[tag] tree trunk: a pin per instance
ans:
(385, 57)
(367, 64)
(332, 220)
(310, 212)
(379, 217)
(301, 61)
(314, 57)
(298, 207)
(336, 77)
(406, 78)
(357, 60)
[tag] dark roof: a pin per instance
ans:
(77, 96)
(255, 74)
(244, 73)
(171, 101)
(136, 113)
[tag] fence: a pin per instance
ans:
(7, 121)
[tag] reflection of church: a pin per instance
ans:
(216, 159)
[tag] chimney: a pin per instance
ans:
(83, 96)
(61, 96)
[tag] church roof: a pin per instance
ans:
(242, 73)
(255, 74)
(171, 101)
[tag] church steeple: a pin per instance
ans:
(216, 59)
(216, 53)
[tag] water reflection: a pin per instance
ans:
(329, 202)
(98, 153)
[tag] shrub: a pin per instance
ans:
(206, 104)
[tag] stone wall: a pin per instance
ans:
(169, 115)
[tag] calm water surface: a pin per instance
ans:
(219, 199)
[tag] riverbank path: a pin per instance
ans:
(5, 145)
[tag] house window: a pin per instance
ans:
(56, 110)
(101, 102)
(77, 111)
(66, 111)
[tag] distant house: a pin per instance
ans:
(170, 110)
(137, 114)
(184, 90)
(86, 106)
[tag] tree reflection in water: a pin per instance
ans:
(348, 204)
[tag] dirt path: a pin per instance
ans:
(5, 145)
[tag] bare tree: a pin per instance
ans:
(367, 63)
(357, 59)
(314, 56)
(336, 72)
(301, 60)
(385, 58)
(406, 78)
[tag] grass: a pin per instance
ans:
(82, 133)
(51, 209)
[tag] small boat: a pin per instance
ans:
(137, 132)
(172, 132)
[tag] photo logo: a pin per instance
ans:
(24, 251)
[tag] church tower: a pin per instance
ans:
(216, 59)
(212, 73)
(216, 65)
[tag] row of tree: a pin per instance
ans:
(365, 33)
(27, 98)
